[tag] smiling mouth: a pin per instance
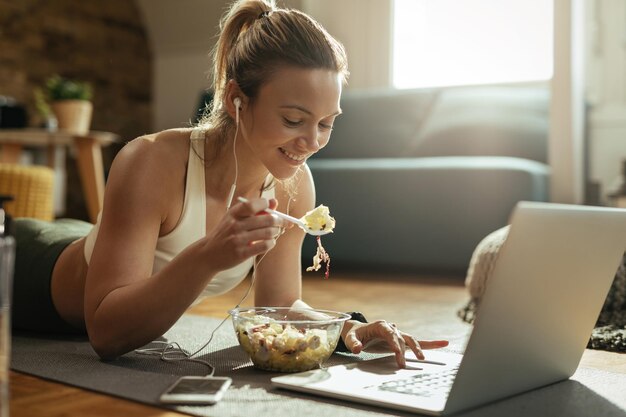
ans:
(293, 156)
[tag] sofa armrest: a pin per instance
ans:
(420, 213)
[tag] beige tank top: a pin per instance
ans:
(191, 226)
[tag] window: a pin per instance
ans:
(465, 42)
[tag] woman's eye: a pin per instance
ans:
(326, 126)
(291, 123)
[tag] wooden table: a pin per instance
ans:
(88, 149)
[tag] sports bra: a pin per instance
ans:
(191, 225)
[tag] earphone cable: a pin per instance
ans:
(174, 348)
(233, 187)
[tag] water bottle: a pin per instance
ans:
(7, 258)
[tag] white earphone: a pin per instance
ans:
(237, 103)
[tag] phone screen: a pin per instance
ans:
(196, 390)
(196, 386)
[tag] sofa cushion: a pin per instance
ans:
(486, 121)
(531, 100)
(485, 132)
(468, 121)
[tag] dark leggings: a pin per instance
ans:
(38, 246)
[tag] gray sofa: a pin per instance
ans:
(415, 179)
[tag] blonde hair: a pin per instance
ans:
(256, 39)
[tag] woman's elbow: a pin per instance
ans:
(104, 347)
(106, 344)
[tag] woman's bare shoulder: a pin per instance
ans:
(151, 162)
(168, 146)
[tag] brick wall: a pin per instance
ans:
(103, 42)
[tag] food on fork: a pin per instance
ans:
(319, 219)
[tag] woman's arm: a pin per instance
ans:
(279, 272)
(126, 306)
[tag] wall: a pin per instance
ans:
(566, 143)
(182, 34)
(364, 27)
(101, 42)
(606, 91)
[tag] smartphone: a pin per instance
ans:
(196, 390)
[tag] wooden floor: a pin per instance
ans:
(425, 305)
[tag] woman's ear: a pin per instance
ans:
(234, 98)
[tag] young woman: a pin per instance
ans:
(172, 228)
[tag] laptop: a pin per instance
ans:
(548, 286)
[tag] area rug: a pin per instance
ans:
(142, 378)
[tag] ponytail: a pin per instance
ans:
(239, 18)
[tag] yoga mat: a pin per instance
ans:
(143, 378)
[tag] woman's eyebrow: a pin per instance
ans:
(304, 110)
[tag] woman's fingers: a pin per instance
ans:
(250, 217)
(433, 344)
(245, 231)
(251, 207)
(378, 332)
(255, 211)
(352, 342)
(384, 333)
(414, 345)
(259, 222)
(255, 248)
(395, 341)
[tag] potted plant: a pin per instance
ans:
(70, 101)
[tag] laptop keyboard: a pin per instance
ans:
(423, 385)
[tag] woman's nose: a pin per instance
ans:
(310, 142)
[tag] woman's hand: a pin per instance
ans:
(359, 336)
(245, 231)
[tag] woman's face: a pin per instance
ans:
(292, 117)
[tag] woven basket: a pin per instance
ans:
(31, 188)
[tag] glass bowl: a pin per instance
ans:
(284, 339)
